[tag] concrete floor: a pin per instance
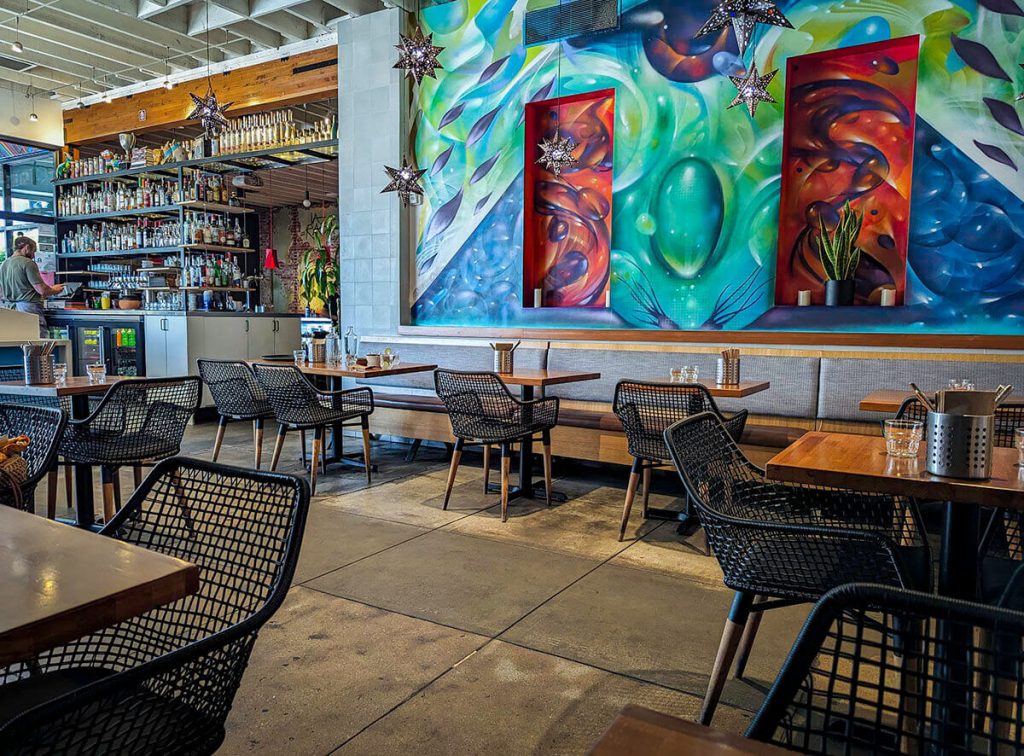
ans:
(410, 629)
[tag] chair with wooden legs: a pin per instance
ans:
(299, 405)
(138, 422)
(645, 411)
(483, 412)
(45, 427)
(785, 544)
(238, 396)
(878, 669)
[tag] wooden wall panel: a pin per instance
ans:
(296, 79)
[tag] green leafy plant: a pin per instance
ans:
(318, 277)
(838, 251)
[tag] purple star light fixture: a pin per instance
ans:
(405, 181)
(744, 15)
(417, 55)
(752, 89)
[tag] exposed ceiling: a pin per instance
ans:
(76, 48)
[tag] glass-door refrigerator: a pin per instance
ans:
(118, 344)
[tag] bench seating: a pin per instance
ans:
(811, 388)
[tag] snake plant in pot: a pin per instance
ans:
(318, 276)
(840, 255)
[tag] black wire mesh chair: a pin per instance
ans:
(164, 682)
(483, 412)
(786, 544)
(137, 421)
(878, 669)
(299, 405)
(238, 396)
(645, 411)
(45, 427)
(1008, 417)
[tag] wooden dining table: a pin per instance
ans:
(884, 400)
(723, 390)
(78, 388)
(61, 583)
(638, 731)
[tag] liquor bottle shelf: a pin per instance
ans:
(119, 252)
(217, 248)
(215, 207)
(162, 210)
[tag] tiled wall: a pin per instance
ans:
(369, 104)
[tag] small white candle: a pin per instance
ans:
(803, 298)
(538, 299)
(608, 299)
(888, 297)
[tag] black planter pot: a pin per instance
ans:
(839, 293)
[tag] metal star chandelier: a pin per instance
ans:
(744, 15)
(556, 153)
(753, 89)
(209, 113)
(405, 181)
(417, 55)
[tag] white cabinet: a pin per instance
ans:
(286, 335)
(167, 346)
(224, 338)
(260, 338)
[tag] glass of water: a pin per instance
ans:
(1018, 441)
(689, 374)
(903, 437)
(675, 375)
(60, 372)
(97, 372)
(299, 355)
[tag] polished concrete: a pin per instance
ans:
(411, 629)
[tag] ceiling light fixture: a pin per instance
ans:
(167, 76)
(17, 46)
(32, 94)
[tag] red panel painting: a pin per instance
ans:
(849, 135)
(568, 219)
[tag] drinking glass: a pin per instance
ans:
(961, 384)
(300, 356)
(689, 374)
(1018, 441)
(97, 372)
(60, 372)
(675, 375)
(395, 359)
(903, 437)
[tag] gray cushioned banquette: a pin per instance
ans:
(794, 390)
(453, 356)
(847, 380)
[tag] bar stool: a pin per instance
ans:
(483, 412)
(137, 422)
(238, 396)
(646, 410)
(299, 405)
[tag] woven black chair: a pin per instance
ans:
(137, 422)
(483, 412)
(882, 670)
(238, 396)
(645, 411)
(45, 427)
(785, 544)
(299, 405)
(1008, 417)
(163, 683)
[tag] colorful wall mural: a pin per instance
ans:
(696, 187)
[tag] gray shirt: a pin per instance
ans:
(18, 274)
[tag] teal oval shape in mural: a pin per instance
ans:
(688, 213)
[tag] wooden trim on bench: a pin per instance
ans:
(812, 338)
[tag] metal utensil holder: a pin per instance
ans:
(727, 372)
(960, 446)
(504, 361)
(318, 351)
(38, 369)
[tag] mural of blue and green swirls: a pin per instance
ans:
(696, 186)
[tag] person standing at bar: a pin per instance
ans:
(21, 284)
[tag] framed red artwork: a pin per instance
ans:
(568, 217)
(849, 136)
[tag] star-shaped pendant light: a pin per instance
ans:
(556, 153)
(417, 55)
(405, 181)
(209, 113)
(752, 89)
(744, 15)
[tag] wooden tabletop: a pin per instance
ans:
(318, 368)
(526, 377)
(734, 391)
(61, 583)
(637, 731)
(74, 385)
(859, 462)
(884, 400)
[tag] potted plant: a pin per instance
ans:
(318, 276)
(840, 255)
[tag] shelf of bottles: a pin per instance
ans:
(270, 131)
(104, 238)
